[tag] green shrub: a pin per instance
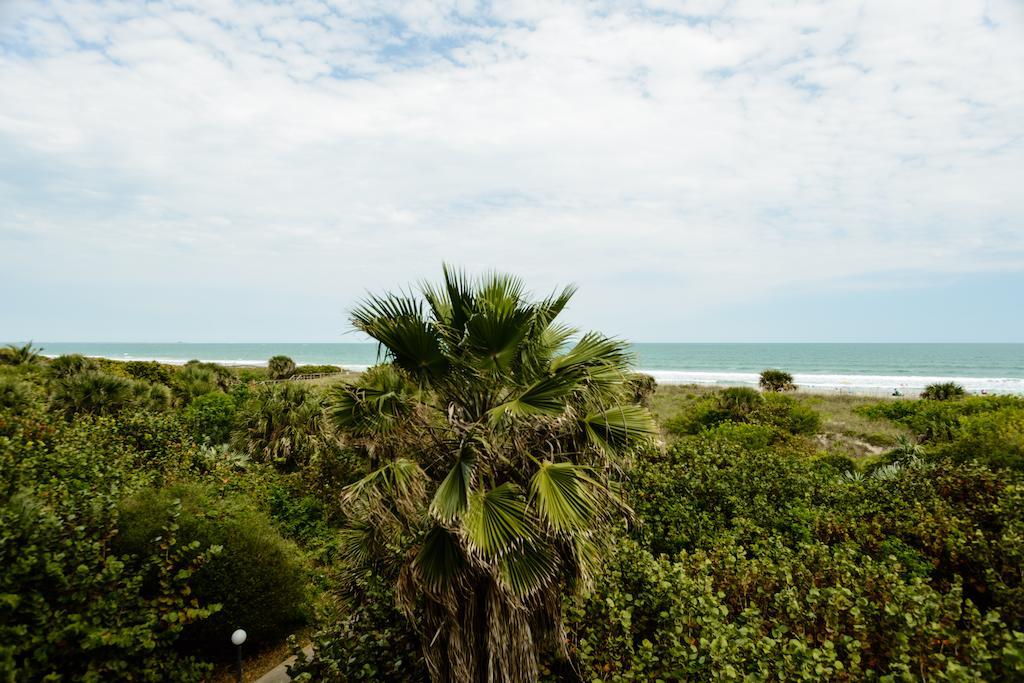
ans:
(71, 364)
(945, 391)
(71, 607)
(281, 424)
(192, 382)
(316, 370)
(787, 414)
(707, 488)
(150, 371)
(280, 367)
(16, 396)
(258, 577)
(92, 393)
(154, 397)
(808, 613)
(26, 354)
(776, 380)
(995, 438)
(837, 462)
(371, 640)
(211, 417)
(746, 405)
(640, 389)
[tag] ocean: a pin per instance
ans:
(854, 368)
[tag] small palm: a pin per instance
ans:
(498, 447)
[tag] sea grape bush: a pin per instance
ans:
(811, 612)
(70, 607)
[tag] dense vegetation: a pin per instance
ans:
(147, 510)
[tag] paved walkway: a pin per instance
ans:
(279, 674)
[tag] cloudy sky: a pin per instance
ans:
(704, 171)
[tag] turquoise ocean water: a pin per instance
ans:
(862, 368)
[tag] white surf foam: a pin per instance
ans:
(874, 384)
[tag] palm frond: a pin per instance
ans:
(618, 427)
(563, 495)
(527, 568)
(400, 480)
(595, 350)
(398, 323)
(546, 396)
(439, 561)
(376, 404)
(496, 519)
(452, 496)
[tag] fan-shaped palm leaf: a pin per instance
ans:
(440, 561)
(496, 519)
(563, 495)
(619, 427)
(526, 568)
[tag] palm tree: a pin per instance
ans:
(280, 367)
(498, 448)
(21, 355)
(776, 380)
(281, 424)
(943, 391)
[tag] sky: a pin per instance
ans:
(703, 171)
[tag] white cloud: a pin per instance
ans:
(726, 150)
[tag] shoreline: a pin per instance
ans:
(830, 384)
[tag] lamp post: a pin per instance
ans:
(238, 637)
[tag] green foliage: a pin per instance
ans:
(837, 462)
(983, 428)
(641, 388)
(996, 438)
(776, 380)
(316, 370)
(197, 379)
(281, 424)
(97, 393)
(211, 417)
(280, 367)
(64, 366)
(257, 577)
(805, 613)
(16, 396)
(71, 607)
(709, 488)
(746, 405)
(150, 371)
(26, 354)
(944, 391)
(370, 641)
(496, 447)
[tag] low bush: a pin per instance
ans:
(97, 393)
(995, 438)
(745, 405)
(806, 613)
(150, 371)
(64, 366)
(211, 417)
(17, 396)
(71, 607)
(280, 367)
(776, 380)
(196, 380)
(316, 370)
(945, 391)
(370, 640)
(257, 577)
(281, 424)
